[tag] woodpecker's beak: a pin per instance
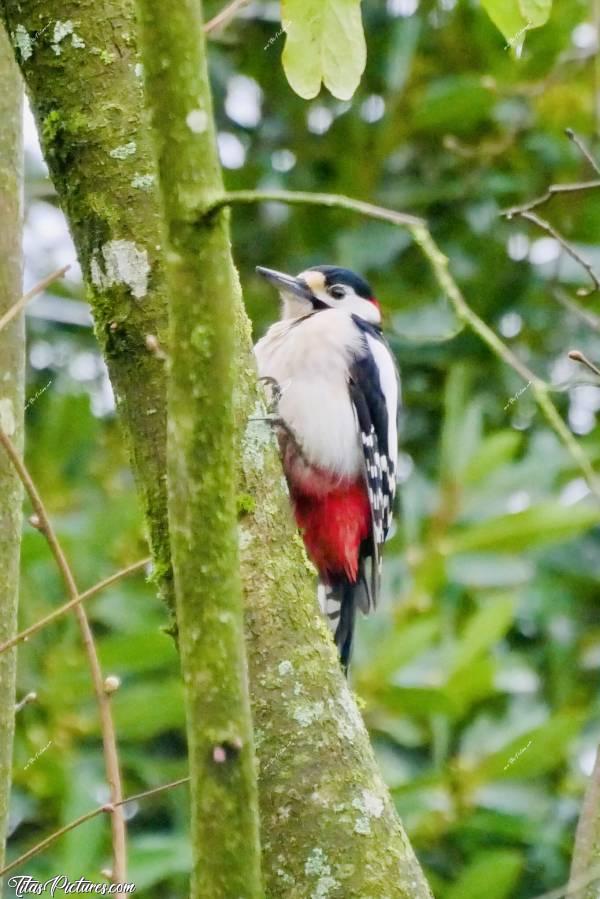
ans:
(296, 286)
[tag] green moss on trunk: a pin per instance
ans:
(203, 290)
(12, 368)
(328, 826)
(82, 73)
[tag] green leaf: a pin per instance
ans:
(398, 647)
(496, 450)
(158, 856)
(325, 43)
(536, 12)
(507, 17)
(482, 571)
(482, 630)
(515, 17)
(545, 523)
(414, 701)
(470, 685)
(533, 752)
(462, 425)
(493, 874)
(143, 711)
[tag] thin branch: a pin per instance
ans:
(27, 700)
(578, 356)
(572, 890)
(66, 607)
(111, 758)
(37, 289)
(583, 149)
(107, 807)
(224, 17)
(303, 198)
(439, 264)
(591, 320)
(567, 247)
(553, 190)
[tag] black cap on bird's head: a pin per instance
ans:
(324, 287)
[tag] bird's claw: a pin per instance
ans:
(276, 392)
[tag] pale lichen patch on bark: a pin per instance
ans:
(317, 866)
(122, 152)
(257, 437)
(23, 42)
(123, 263)
(63, 30)
(370, 805)
(306, 715)
(143, 182)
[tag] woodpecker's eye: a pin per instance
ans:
(337, 291)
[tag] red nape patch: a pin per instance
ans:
(333, 526)
(375, 302)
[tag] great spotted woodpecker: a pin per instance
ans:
(335, 388)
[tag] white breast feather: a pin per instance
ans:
(310, 361)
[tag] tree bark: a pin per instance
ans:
(328, 826)
(12, 378)
(79, 59)
(204, 293)
(585, 869)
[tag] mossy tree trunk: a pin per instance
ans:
(80, 64)
(12, 366)
(203, 294)
(328, 826)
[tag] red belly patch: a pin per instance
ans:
(333, 523)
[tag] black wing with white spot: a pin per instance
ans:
(374, 394)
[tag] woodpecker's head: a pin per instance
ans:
(324, 287)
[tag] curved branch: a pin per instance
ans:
(552, 191)
(305, 198)
(567, 247)
(113, 774)
(439, 264)
(225, 16)
(67, 606)
(35, 290)
(87, 816)
(589, 318)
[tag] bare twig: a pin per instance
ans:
(553, 190)
(107, 807)
(439, 263)
(567, 247)
(303, 198)
(525, 211)
(67, 606)
(111, 758)
(37, 289)
(578, 356)
(225, 16)
(27, 700)
(583, 149)
(562, 297)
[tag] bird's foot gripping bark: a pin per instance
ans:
(274, 393)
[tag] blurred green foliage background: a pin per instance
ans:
(479, 674)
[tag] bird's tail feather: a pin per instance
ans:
(339, 602)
